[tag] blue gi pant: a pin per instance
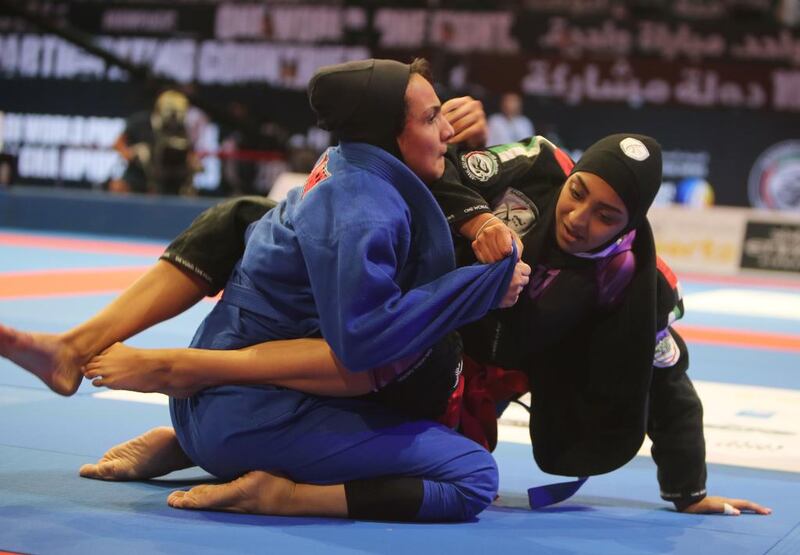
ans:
(231, 430)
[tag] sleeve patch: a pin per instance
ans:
(480, 165)
(667, 352)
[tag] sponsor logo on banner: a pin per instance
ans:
(705, 241)
(772, 246)
(774, 181)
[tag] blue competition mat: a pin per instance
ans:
(45, 507)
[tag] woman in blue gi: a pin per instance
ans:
(362, 255)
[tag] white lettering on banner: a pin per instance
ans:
(148, 21)
(241, 20)
(306, 23)
(701, 88)
(574, 40)
(678, 163)
(42, 129)
(473, 31)
(786, 90)
(176, 60)
(9, 53)
(783, 48)
(400, 28)
(38, 162)
(659, 38)
(621, 85)
(284, 66)
(704, 88)
(216, 61)
(80, 164)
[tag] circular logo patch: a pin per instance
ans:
(774, 181)
(480, 165)
(517, 211)
(634, 148)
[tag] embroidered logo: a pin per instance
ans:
(480, 165)
(634, 148)
(319, 174)
(517, 211)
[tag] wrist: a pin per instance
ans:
(473, 226)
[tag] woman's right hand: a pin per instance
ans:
(521, 277)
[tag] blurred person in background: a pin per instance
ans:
(510, 124)
(158, 149)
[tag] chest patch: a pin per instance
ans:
(319, 174)
(517, 211)
(480, 165)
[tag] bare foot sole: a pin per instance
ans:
(256, 492)
(49, 357)
(154, 453)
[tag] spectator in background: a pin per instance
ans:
(510, 124)
(254, 152)
(158, 149)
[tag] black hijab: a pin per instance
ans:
(362, 101)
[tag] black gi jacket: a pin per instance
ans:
(595, 391)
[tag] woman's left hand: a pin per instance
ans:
(726, 506)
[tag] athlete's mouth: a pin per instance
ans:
(572, 235)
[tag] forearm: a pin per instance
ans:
(306, 365)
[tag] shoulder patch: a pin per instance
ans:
(480, 165)
(517, 211)
(319, 174)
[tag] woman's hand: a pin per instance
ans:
(519, 280)
(726, 506)
(468, 119)
(123, 367)
(491, 238)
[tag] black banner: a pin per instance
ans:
(772, 246)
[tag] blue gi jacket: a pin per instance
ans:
(362, 256)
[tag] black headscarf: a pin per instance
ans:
(631, 164)
(362, 101)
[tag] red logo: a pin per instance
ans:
(319, 174)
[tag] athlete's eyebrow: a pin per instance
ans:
(433, 110)
(603, 205)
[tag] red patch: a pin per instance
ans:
(564, 161)
(319, 174)
(667, 272)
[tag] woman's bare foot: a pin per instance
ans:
(260, 492)
(154, 453)
(50, 357)
(256, 492)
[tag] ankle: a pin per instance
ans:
(84, 342)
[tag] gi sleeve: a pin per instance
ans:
(368, 320)
(473, 180)
(676, 413)
(675, 426)
(210, 247)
